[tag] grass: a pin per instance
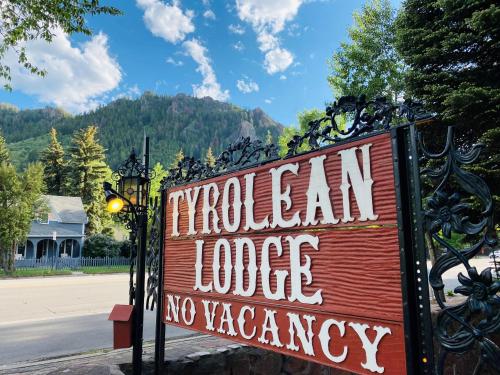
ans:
(99, 270)
(35, 272)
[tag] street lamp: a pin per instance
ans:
(129, 201)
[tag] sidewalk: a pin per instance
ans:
(107, 362)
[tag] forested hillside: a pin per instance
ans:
(173, 123)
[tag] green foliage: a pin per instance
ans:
(20, 199)
(25, 20)
(172, 123)
(368, 63)
(125, 248)
(179, 156)
(210, 158)
(269, 138)
(86, 172)
(54, 164)
(303, 118)
(488, 165)
(159, 174)
(4, 151)
(100, 246)
(452, 49)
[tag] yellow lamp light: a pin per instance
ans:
(115, 204)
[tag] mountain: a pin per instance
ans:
(172, 123)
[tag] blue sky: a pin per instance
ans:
(270, 54)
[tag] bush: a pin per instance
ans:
(125, 247)
(101, 245)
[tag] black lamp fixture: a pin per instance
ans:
(132, 187)
(129, 201)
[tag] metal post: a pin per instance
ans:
(160, 326)
(140, 276)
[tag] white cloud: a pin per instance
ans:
(77, 77)
(239, 46)
(277, 60)
(282, 77)
(268, 18)
(210, 86)
(236, 29)
(174, 62)
(247, 86)
(208, 14)
(268, 101)
(167, 21)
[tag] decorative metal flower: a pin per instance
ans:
(481, 290)
(444, 213)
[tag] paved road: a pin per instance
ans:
(21, 342)
(53, 316)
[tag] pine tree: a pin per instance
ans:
(210, 158)
(4, 151)
(178, 157)
(54, 164)
(86, 173)
(269, 138)
(453, 52)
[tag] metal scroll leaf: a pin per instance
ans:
(242, 153)
(365, 115)
(153, 259)
(468, 325)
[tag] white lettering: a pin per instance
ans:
(242, 321)
(249, 202)
(318, 194)
(227, 318)
(199, 269)
(296, 328)
(173, 308)
(270, 325)
(175, 196)
(324, 338)
(297, 269)
(370, 348)
(210, 208)
(361, 185)
(279, 196)
(265, 270)
(223, 289)
(192, 311)
(239, 268)
(209, 315)
(191, 202)
(235, 183)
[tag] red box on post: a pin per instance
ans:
(122, 317)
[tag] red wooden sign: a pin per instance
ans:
(299, 256)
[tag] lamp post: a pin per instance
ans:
(130, 202)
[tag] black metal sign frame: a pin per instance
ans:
(369, 118)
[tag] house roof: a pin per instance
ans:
(66, 209)
(62, 230)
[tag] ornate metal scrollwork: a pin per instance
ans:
(468, 325)
(365, 115)
(244, 152)
(131, 167)
(153, 259)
